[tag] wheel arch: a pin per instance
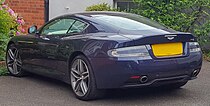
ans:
(73, 55)
(9, 43)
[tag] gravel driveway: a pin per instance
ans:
(35, 90)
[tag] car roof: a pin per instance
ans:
(91, 13)
(101, 12)
(91, 18)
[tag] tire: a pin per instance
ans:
(14, 62)
(82, 79)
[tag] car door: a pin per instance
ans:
(71, 43)
(48, 42)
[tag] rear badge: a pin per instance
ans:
(170, 37)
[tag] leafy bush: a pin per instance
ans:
(3, 42)
(10, 25)
(100, 7)
(203, 36)
(3, 70)
(182, 15)
(6, 22)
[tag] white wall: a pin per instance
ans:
(60, 7)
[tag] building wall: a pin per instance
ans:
(59, 7)
(32, 11)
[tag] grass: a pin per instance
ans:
(3, 71)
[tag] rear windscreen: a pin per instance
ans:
(129, 22)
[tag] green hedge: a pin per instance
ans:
(6, 23)
(3, 70)
(4, 38)
(100, 7)
(183, 15)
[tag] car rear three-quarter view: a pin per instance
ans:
(106, 50)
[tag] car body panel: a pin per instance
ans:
(51, 55)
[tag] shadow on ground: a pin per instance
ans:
(128, 94)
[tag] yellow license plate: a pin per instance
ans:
(167, 49)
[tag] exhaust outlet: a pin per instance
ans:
(143, 79)
(195, 73)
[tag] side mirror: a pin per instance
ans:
(32, 29)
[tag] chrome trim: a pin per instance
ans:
(170, 37)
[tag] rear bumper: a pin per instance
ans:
(162, 81)
(117, 73)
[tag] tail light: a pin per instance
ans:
(194, 47)
(135, 51)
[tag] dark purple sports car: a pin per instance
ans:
(94, 51)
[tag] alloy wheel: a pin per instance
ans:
(80, 77)
(14, 62)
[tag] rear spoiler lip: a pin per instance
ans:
(157, 39)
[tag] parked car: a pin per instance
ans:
(95, 51)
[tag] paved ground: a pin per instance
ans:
(36, 90)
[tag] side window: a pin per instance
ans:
(60, 26)
(77, 27)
